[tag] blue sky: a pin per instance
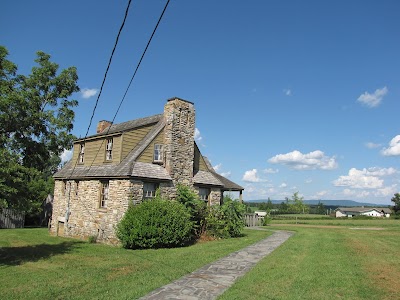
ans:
(289, 95)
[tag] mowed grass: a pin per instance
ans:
(34, 265)
(349, 260)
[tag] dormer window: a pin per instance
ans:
(158, 153)
(81, 153)
(109, 147)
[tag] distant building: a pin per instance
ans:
(349, 212)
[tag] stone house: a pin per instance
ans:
(126, 163)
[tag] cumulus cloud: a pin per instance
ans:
(365, 178)
(283, 185)
(373, 100)
(252, 176)
(197, 135)
(66, 155)
(310, 161)
(371, 145)
(87, 93)
(270, 171)
(394, 147)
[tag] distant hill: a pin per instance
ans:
(338, 203)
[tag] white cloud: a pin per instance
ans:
(217, 168)
(226, 174)
(288, 92)
(252, 176)
(371, 145)
(394, 147)
(283, 185)
(66, 155)
(270, 171)
(87, 93)
(365, 178)
(373, 100)
(197, 135)
(310, 161)
(309, 180)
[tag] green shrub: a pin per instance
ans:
(155, 224)
(226, 220)
(197, 208)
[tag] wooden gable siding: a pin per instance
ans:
(131, 138)
(147, 154)
(199, 163)
(95, 151)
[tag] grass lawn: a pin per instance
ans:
(347, 261)
(34, 265)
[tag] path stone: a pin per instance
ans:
(212, 280)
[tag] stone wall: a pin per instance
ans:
(86, 218)
(179, 140)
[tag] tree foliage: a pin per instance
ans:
(36, 120)
(396, 200)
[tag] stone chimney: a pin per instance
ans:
(103, 124)
(179, 116)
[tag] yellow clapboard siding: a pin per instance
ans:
(132, 138)
(147, 154)
(95, 151)
(199, 163)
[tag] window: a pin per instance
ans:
(104, 194)
(158, 153)
(76, 187)
(81, 153)
(204, 194)
(149, 190)
(109, 147)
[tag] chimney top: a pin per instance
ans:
(177, 98)
(103, 124)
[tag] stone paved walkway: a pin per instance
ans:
(212, 280)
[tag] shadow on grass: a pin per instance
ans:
(12, 256)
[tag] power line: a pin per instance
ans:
(104, 80)
(108, 66)
(133, 76)
(97, 101)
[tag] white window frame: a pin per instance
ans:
(149, 190)
(104, 194)
(82, 153)
(204, 194)
(158, 153)
(109, 148)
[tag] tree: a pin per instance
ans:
(296, 204)
(321, 208)
(36, 120)
(396, 200)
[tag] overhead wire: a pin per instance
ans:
(132, 78)
(126, 91)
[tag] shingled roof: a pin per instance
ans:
(129, 167)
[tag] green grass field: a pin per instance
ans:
(34, 265)
(325, 259)
(349, 260)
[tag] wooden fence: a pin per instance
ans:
(11, 218)
(251, 220)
